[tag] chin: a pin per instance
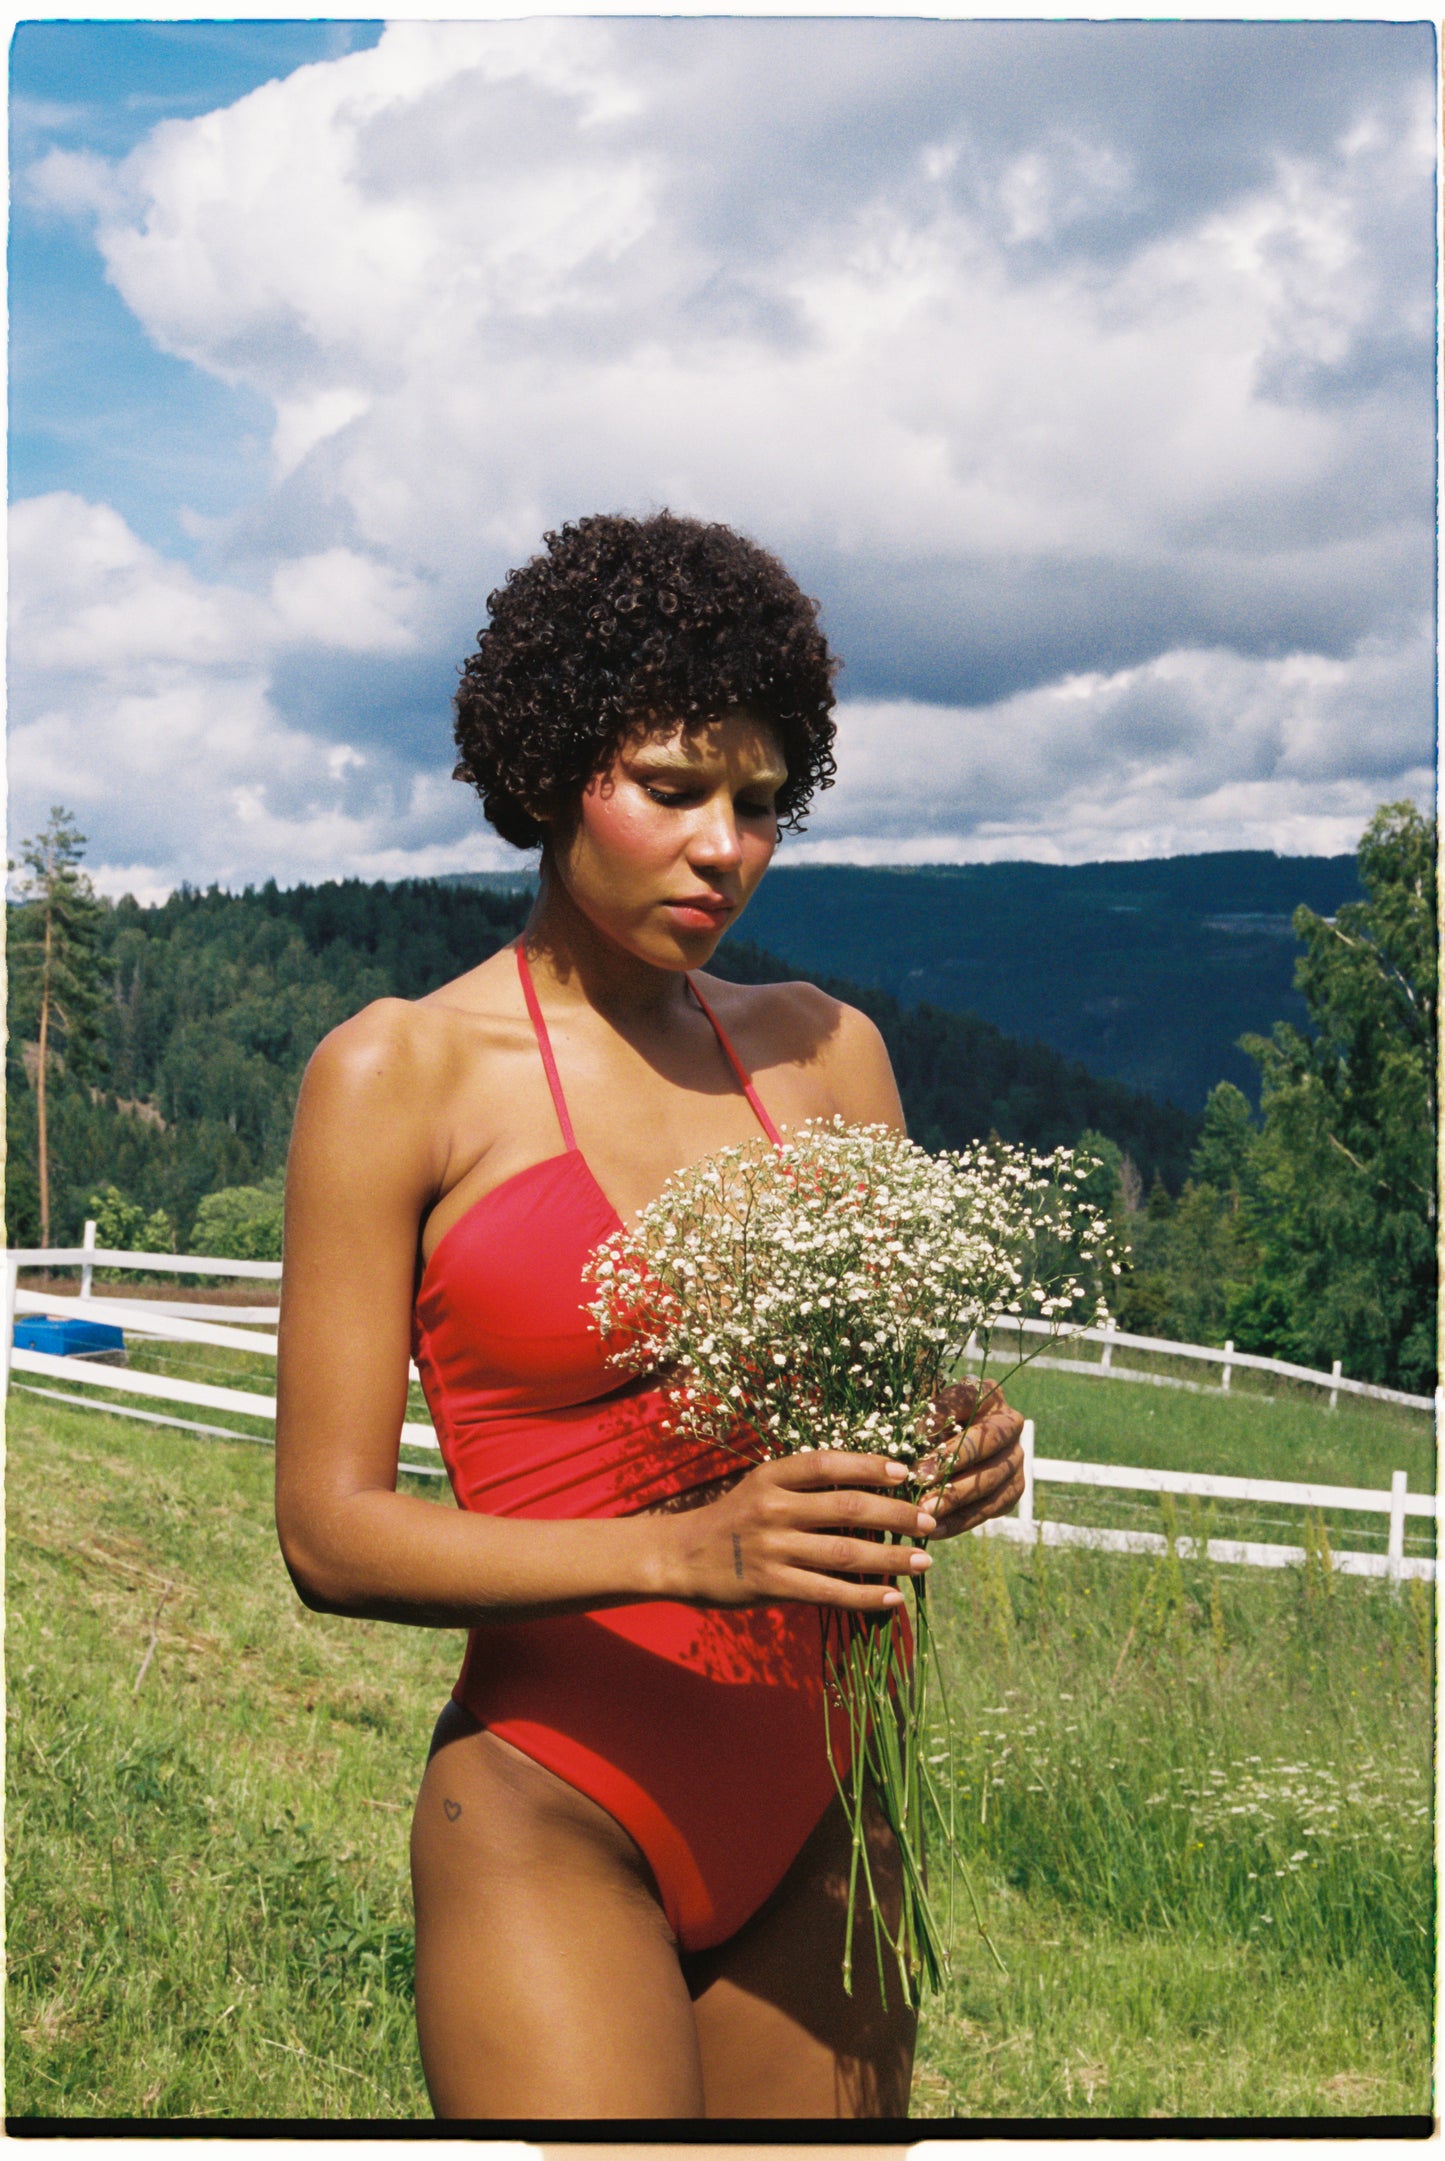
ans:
(694, 949)
(674, 946)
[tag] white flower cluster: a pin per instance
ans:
(1367, 1802)
(817, 1295)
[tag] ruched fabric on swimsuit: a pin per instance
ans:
(700, 1730)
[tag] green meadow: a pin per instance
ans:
(1195, 1801)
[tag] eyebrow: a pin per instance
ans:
(662, 761)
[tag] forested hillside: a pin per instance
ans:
(1149, 972)
(213, 1003)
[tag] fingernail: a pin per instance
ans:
(894, 1598)
(896, 1471)
(920, 1560)
(927, 1522)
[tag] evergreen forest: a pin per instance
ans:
(169, 1043)
(1150, 972)
(213, 1002)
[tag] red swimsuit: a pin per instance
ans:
(699, 1729)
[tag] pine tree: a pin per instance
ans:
(55, 967)
(1346, 1162)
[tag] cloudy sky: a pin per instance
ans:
(1084, 372)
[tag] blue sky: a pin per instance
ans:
(1084, 371)
(92, 399)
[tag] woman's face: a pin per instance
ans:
(667, 845)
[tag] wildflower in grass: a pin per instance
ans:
(818, 1296)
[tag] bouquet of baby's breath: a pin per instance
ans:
(819, 1295)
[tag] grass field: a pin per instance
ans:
(1196, 1801)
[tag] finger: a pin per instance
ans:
(996, 1438)
(814, 1590)
(964, 1450)
(838, 1555)
(998, 1505)
(965, 1403)
(979, 1484)
(835, 1467)
(954, 1405)
(858, 1509)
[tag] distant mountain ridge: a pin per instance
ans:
(1146, 972)
(215, 1001)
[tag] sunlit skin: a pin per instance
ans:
(675, 819)
(548, 1982)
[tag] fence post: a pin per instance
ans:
(1399, 1484)
(12, 1276)
(1026, 1501)
(1106, 1358)
(1228, 1354)
(87, 1240)
(1334, 1376)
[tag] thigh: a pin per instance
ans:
(777, 2033)
(547, 1977)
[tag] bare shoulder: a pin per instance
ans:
(389, 1045)
(773, 1016)
(385, 1080)
(409, 1042)
(799, 1025)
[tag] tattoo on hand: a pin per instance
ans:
(453, 1810)
(737, 1557)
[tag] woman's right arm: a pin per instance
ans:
(367, 1161)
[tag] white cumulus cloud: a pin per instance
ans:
(1105, 438)
(1195, 750)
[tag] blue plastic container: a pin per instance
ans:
(66, 1338)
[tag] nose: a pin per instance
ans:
(715, 840)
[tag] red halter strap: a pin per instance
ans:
(549, 1063)
(738, 1067)
(544, 1045)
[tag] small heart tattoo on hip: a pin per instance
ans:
(453, 1810)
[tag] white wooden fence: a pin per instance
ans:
(1228, 1359)
(167, 1321)
(1025, 1527)
(161, 1321)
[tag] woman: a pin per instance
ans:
(628, 1860)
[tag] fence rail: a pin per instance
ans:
(1234, 1552)
(1397, 1504)
(88, 1256)
(160, 1322)
(1208, 1353)
(143, 1319)
(159, 1264)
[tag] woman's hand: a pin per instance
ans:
(985, 1467)
(796, 1528)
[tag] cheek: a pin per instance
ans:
(758, 851)
(617, 825)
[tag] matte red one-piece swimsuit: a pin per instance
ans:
(699, 1730)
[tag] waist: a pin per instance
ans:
(615, 1456)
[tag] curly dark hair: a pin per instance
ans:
(621, 622)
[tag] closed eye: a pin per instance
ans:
(676, 797)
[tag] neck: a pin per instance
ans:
(565, 949)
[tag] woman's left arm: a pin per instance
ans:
(987, 1478)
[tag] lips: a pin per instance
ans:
(703, 904)
(702, 909)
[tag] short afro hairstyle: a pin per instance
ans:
(625, 622)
